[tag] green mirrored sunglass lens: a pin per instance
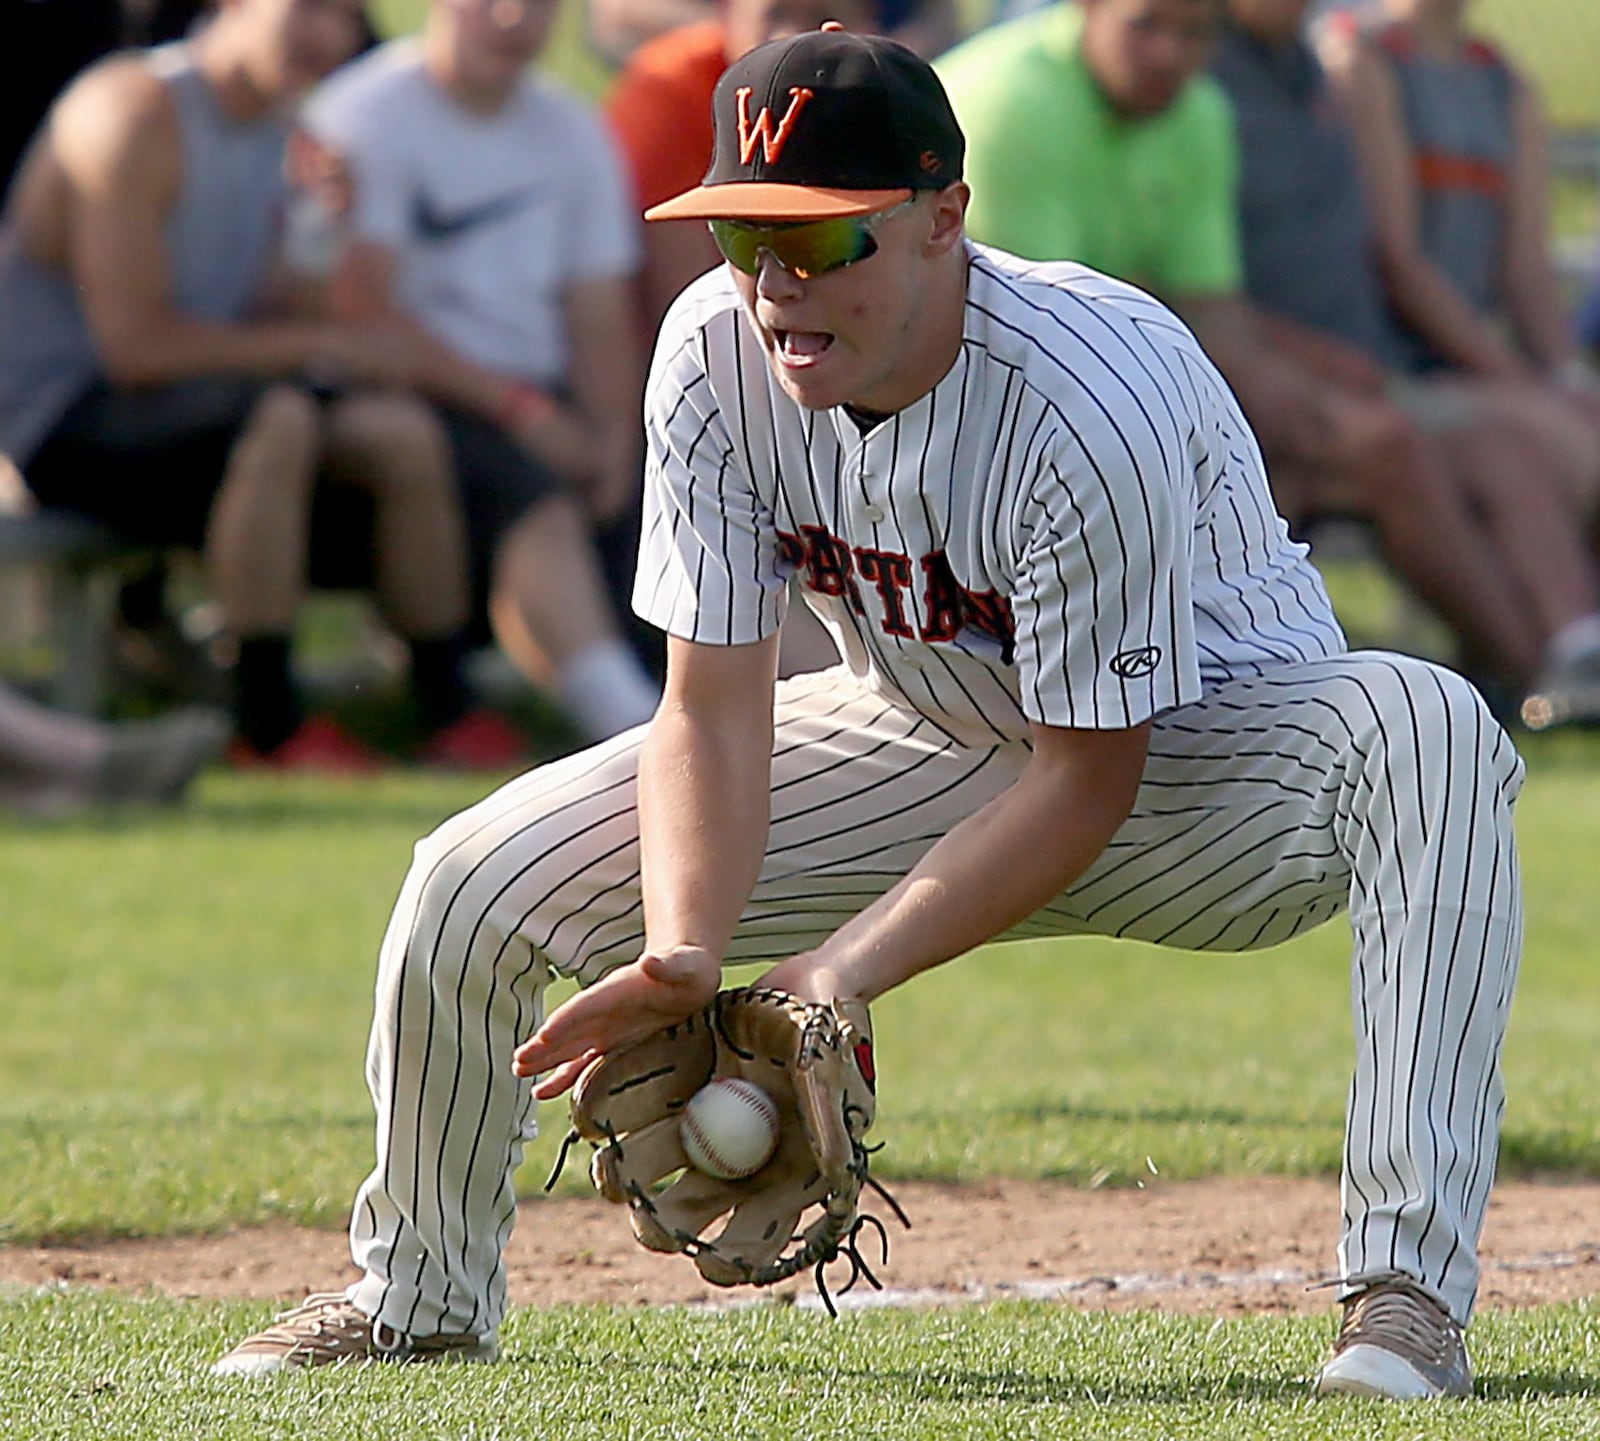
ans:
(804, 250)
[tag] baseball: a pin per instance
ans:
(729, 1128)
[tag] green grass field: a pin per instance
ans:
(180, 1051)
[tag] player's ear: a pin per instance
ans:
(947, 215)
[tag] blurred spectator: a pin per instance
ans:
(137, 384)
(1092, 136)
(491, 229)
(1106, 100)
(1310, 264)
(1453, 148)
(619, 28)
(56, 764)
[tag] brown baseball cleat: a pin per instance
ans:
(328, 1329)
(1396, 1342)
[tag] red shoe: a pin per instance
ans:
(321, 745)
(479, 741)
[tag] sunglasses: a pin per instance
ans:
(805, 248)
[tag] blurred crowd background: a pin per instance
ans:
(300, 299)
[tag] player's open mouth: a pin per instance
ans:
(801, 347)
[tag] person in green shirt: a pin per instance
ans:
(1120, 156)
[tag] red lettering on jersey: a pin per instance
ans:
(761, 131)
(791, 551)
(829, 567)
(890, 574)
(941, 599)
(989, 613)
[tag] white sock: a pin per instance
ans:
(606, 690)
(1575, 640)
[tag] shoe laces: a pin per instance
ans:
(329, 1321)
(1402, 1319)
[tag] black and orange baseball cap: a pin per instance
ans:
(820, 125)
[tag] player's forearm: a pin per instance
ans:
(704, 804)
(985, 876)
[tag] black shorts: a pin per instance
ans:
(499, 483)
(149, 463)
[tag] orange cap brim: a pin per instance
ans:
(768, 201)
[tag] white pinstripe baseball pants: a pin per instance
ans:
(1373, 783)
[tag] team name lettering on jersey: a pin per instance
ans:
(830, 565)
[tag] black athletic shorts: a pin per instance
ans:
(150, 462)
(497, 481)
(147, 462)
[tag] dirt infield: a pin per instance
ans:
(1212, 1247)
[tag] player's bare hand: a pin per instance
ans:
(633, 1002)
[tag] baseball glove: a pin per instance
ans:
(815, 1061)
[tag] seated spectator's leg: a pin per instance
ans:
(618, 544)
(219, 465)
(1522, 466)
(256, 553)
(1564, 439)
(535, 561)
(1387, 469)
(393, 448)
(550, 609)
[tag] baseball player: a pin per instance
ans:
(1088, 686)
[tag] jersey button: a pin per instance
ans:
(873, 513)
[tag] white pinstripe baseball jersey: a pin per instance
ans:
(1079, 495)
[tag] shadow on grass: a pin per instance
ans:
(978, 1387)
(329, 801)
(1538, 1385)
(1547, 1157)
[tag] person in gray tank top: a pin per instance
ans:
(154, 373)
(1452, 148)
